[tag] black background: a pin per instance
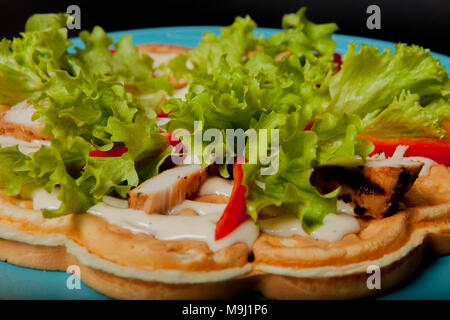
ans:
(425, 22)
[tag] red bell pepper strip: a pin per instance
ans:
(435, 149)
(338, 60)
(235, 212)
(309, 125)
(162, 114)
(114, 152)
(171, 136)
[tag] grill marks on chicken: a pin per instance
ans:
(373, 190)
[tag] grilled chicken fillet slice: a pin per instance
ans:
(169, 188)
(374, 189)
(16, 122)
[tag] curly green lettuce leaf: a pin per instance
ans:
(232, 97)
(45, 21)
(82, 110)
(82, 115)
(289, 189)
(237, 44)
(126, 63)
(79, 107)
(103, 175)
(13, 171)
(338, 138)
(405, 117)
(99, 176)
(369, 81)
(263, 91)
(302, 36)
(224, 102)
(45, 168)
(231, 45)
(81, 181)
(48, 169)
(146, 146)
(25, 61)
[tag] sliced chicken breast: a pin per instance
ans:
(26, 147)
(373, 190)
(16, 122)
(169, 188)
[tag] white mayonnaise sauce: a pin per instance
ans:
(334, 227)
(282, 226)
(44, 200)
(202, 208)
(25, 147)
(216, 185)
(115, 202)
(167, 227)
(163, 227)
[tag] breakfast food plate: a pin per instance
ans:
(19, 282)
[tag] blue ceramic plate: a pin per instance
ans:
(432, 282)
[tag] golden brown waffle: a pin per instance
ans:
(283, 268)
